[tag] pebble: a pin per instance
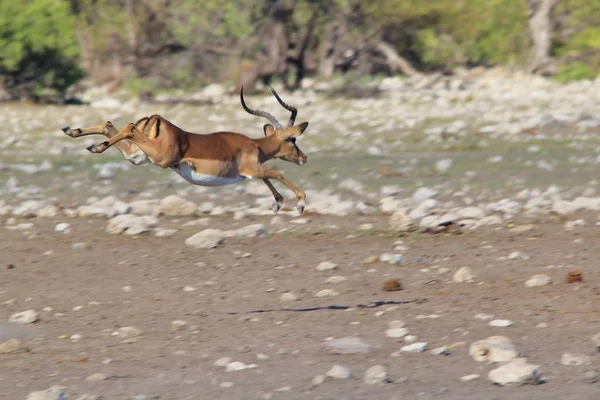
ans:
(493, 349)
(440, 351)
(375, 375)
(538, 280)
(128, 332)
(463, 275)
(575, 359)
(392, 285)
(338, 372)
(467, 378)
(25, 317)
(178, 325)
(222, 362)
(13, 346)
(398, 323)
(591, 376)
(484, 317)
(348, 345)
(336, 279)
(53, 393)
(326, 266)
(97, 377)
(396, 332)
(500, 323)
(414, 348)
(288, 296)
(63, 227)
(515, 372)
(238, 366)
(326, 293)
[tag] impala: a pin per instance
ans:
(214, 159)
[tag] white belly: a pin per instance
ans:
(195, 178)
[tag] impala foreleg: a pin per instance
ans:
(124, 134)
(276, 194)
(266, 173)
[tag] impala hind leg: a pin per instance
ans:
(132, 153)
(276, 194)
(267, 173)
(114, 140)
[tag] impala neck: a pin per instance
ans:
(269, 147)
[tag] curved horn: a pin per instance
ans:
(286, 106)
(258, 112)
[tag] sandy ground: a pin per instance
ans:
(39, 268)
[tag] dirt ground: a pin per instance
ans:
(39, 268)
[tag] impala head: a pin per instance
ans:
(286, 136)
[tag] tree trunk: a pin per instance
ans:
(540, 26)
(394, 61)
(330, 48)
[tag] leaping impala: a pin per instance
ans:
(214, 159)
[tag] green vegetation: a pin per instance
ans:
(149, 46)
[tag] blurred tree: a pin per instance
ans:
(38, 49)
(540, 24)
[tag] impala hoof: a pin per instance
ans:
(300, 208)
(93, 148)
(67, 130)
(276, 207)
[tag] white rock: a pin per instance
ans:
(176, 206)
(255, 230)
(538, 280)
(471, 213)
(463, 275)
(440, 351)
(398, 323)
(493, 349)
(288, 296)
(410, 338)
(13, 346)
(326, 266)
(423, 194)
(348, 345)
(206, 239)
(326, 293)
(29, 208)
(53, 393)
(500, 323)
(484, 317)
(335, 279)
(144, 207)
(429, 223)
(238, 366)
(49, 211)
(131, 224)
(414, 348)
(338, 372)
(375, 375)
(467, 378)
(97, 377)
(222, 362)
(396, 332)
(401, 222)
(575, 359)
(423, 209)
(443, 165)
(515, 372)
(165, 232)
(25, 317)
(178, 324)
(318, 379)
(63, 227)
(128, 332)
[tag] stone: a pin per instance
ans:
(423, 194)
(144, 207)
(500, 323)
(13, 346)
(574, 276)
(338, 372)
(348, 345)
(418, 347)
(97, 377)
(128, 332)
(467, 378)
(596, 341)
(29, 208)
(178, 325)
(165, 232)
(575, 359)
(176, 206)
(288, 296)
(255, 230)
(398, 323)
(443, 165)
(326, 293)
(463, 275)
(538, 280)
(440, 351)
(335, 279)
(396, 333)
(400, 222)
(25, 317)
(206, 239)
(375, 375)
(392, 285)
(238, 366)
(53, 393)
(222, 362)
(591, 376)
(515, 372)
(131, 224)
(326, 266)
(493, 349)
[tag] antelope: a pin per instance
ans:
(213, 159)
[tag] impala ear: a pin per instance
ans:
(268, 129)
(303, 127)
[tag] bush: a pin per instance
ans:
(576, 71)
(38, 48)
